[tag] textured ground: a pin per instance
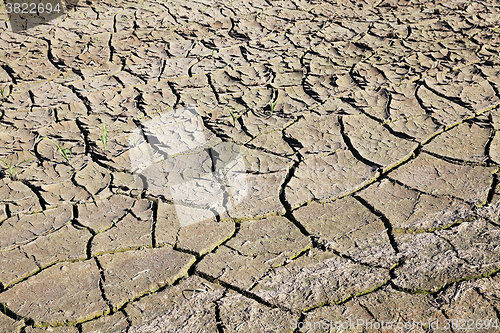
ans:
(370, 133)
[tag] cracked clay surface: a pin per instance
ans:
(366, 134)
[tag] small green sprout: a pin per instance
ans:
(213, 52)
(3, 92)
(273, 106)
(12, 170)
(233, 116)
(104, 138)
(135, 141)
(66, 153)
(225, 171)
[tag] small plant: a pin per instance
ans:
(213, 52)
(4, 93)
(233, 116)
(273, 106)
(65, 153)
(225, 171)
(104, 139)
(12, 170)
(135, 141)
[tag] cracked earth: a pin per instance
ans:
(370, 135)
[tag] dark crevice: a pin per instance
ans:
(301, 319)
(162, 70)
(422, 105)
(455, 100)
(187, 251)
(497, 310)
(32, 98)
(170, 13)
(453, 248)
(140, 103)
(34, 189)
(241, 253)
(32, 257)
(383, 218)
(214, 130)
(308, 89)
(7, 211)
(295, 144)
(175, 92)
(117, 79)
(85, 136)
(238, 290)
(211, 84)
(37, 154)
(155, 221)
(447, 317)
(353, 76)
(323, 245)
(218, 319)
(10, 72)
(453, 160)
(353, 150)
(6, 311)
(243, 127)
(251, 146)
(101, 286)
(364, 307)
(286, 204)
(88, 249)
(287, 261)
(395, 181)
(236, 35)
(494, 185)
(397, 134)
(487, 147)
(440, 289)
(56, 115)
(50, 57)
(192, 269)
(245, 53)
(81, 97)
(114, 24)
(213, 157)
(127, 318)
(190, 68)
